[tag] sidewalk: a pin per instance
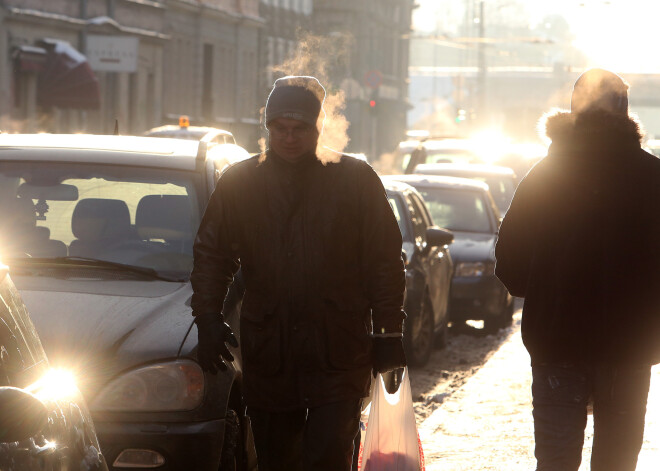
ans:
(487, 424)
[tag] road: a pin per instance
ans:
(486, 422)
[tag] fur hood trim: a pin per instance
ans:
(563, 127)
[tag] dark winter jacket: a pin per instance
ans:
(581, 244)
(320, 253)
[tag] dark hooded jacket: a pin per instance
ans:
(581, 244)
(320, 253)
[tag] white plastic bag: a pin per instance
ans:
(391, 441)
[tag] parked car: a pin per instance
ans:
(501, 181)
(438, 150)
(466, 208)
(98, 231)
(428, 272)
(44, 420)
(196, 133)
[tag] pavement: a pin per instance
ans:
(487, 424)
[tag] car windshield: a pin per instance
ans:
(501, 188)
(443, 156)
(457, 210)
(139, 217)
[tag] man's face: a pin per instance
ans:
(292, 139)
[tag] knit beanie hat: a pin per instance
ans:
(600, 89)
(296, 97)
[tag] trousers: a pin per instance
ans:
(314, 439)
(561, 393)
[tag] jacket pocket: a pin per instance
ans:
(347, 335)
(261, 343)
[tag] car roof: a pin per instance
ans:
(464, 169)
(392, 184)
(100, 149)
(439, 144)
(440, 181)
(196, 132)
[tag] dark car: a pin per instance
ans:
(466, 208)
(44, 421)
(501, 181)
(98, 231)
(428, 272)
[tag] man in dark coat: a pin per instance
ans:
(581, 244)
(320, 254)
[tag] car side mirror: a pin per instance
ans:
(23, 415)
(437, 237)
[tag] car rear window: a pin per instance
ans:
(457, 209)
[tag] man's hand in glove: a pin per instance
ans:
(388, 354)
(213, 334)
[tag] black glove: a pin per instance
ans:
(212, 334)
(388, 354)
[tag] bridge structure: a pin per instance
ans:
(510, 99)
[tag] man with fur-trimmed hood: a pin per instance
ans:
(581, 244)
(320, 253)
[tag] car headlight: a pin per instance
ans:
(172, 386)
(474, 269)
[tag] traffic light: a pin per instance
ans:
(460, 116)
(373, 101)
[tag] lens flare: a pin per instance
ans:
(54, 385)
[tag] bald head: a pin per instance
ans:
(599, 89)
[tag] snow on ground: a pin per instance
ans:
(448, 369)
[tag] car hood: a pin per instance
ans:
(472, 247)
(107, 326)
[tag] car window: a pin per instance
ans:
(417, 215)
(457, 209)
(137, 216)
(399, 212)
(421, 209)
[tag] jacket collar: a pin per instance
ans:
(309, 160)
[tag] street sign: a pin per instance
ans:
(373, 78)
(112, 53)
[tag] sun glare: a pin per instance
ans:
(490, 145)
(55, 384)
(615, 35)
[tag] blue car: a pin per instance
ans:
(466, 208)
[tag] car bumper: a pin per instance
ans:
(476, 298)
(182, 445)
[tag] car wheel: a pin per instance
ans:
(502, 320)
(230, 457)
(418, 335)
(442, 337)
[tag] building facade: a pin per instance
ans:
(211, 65)
(375, 77)
(152, 61)
(143, 63)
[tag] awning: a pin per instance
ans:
(29, 59)
(67, 80)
